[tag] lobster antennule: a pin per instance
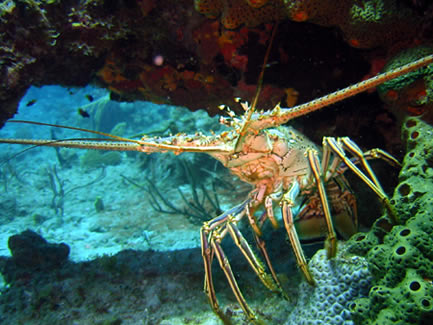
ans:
(251, 109)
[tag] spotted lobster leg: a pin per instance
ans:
(211, 235)
(287, 203)
(331, 239)
(339, 146)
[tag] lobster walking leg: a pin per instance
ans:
(337, 146)
(331, 239)
(211, 235)
(287, 203)
(262, 247)
(208, 252)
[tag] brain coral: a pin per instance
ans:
(339, 281)
(401, 256)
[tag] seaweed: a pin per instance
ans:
(59, 193)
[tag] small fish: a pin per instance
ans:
(31, 102)
(83, 113)
(89, 97)
(270, 64)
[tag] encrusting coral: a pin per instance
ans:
(364, 24)
(235, 13)
(340, 281)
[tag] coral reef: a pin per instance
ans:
(401, 256)
(340, 281)
(201, 64)
(235, 13)
(364, 24)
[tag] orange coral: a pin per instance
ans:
(229, 42)
(322, 12)
(257, 3)
(146, 6)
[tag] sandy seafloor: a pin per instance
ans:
(127, 221)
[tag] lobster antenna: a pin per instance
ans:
(50, 144)
(112, 136)
(253, 106)
(262, 73)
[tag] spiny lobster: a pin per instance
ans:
(284, 167)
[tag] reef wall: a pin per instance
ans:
(200, 53)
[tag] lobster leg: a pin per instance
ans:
(380, 154)
(225, 266)
(262, 247)
(207, 251)
(260, 243)
(211, 235)
(207, 254)
(331, 239)
(255, 263)
(353, 148)
(287, 203)
(370, 154)
(337, 147)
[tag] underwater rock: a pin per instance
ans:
(32, 253)
(401, 256)
(29, 249)
(340, 280)
(131, 287)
